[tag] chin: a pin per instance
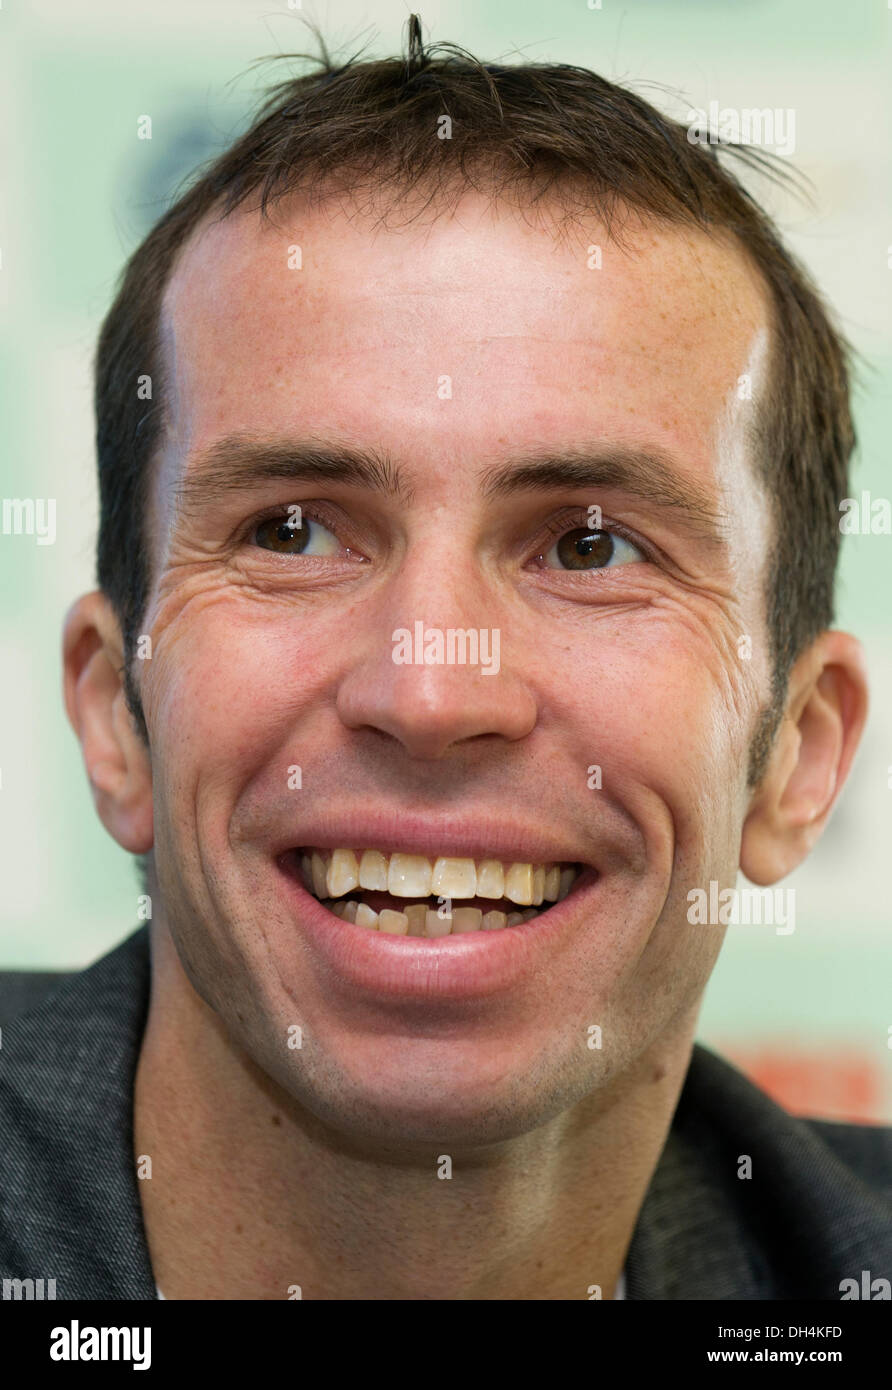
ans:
(439, 1093)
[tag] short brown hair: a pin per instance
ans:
(523, 132)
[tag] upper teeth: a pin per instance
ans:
(332, 873)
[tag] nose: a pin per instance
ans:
(417, 681)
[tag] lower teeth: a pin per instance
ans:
(420, 920)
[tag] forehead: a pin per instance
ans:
(323, 322)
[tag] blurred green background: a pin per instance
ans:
(807, 1014)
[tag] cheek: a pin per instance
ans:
(664, 707)
(688, 739)
(228, 678)
(657, 668)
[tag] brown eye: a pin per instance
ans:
(585, 550)
(280, 534)
(592, 550)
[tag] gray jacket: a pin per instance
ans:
(817, 1209)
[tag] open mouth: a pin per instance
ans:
(412, 895)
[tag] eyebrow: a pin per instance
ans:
(238, 463)
(648, 474)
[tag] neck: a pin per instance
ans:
(252, 1195)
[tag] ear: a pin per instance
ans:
(115, 756)
(822, 727)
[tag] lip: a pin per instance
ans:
(494, 836)
(369, 965)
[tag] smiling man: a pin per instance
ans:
(502, 355)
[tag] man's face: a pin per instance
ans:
(612, 731)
